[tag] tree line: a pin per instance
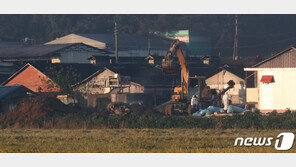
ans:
(257, 34)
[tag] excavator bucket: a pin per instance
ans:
(169, 65)
(231, 83)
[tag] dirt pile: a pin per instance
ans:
(118, 109)
(34, 109)
(125, 109)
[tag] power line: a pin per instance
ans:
(116, 41)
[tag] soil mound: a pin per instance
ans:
(33, 109)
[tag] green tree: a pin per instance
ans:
(64, 76)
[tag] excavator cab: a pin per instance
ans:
(195, 86)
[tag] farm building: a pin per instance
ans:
(11, 95)
(128, 44)
(126, 83)
(33, 79)
(106, 81)
(62, 53)
(271, 82)
(42, 76)
(218, 80)
(108, 86)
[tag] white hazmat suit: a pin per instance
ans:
(225, 100)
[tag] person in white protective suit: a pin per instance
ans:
(226, 101)
(194, 102)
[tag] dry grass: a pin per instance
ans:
(130, 140)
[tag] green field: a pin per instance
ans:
(131, 140)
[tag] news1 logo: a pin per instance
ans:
(283, 142)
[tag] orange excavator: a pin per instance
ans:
(169, 68)
(190, 86)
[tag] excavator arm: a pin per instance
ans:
(176, 49)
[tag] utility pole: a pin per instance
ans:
(149, 44)
(235, 56)
(116, 41)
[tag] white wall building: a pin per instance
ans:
(273, 81)
(219, 78)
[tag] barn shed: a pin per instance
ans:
(59, 53)
(218, 80)
(11, 95)
(128, 44)
(128, 83)
(33, 79)
(271, 82)
(41, 77)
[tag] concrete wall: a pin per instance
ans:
(279, 95)
(219, 82)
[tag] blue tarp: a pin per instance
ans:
(235, 109)
(212, 109)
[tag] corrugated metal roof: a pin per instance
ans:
(36, 51)
(283, 59)
(6, 90)
(6, 44)
(30, 51)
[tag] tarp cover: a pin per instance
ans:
(267, 79)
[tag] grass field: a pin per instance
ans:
(131, 140)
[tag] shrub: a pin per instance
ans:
(74, 120)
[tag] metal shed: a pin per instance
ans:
(11, 95)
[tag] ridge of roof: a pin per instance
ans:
(42, 68)
(15, 74)
(21, 70)
(273, 56)
(39, 50)
(129, 40)
(99, 71)
(231, 69)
